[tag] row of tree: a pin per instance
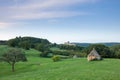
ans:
(104, 51)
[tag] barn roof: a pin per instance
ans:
(94, 53)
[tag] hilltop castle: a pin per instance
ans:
(68, 43)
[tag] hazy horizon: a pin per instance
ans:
(59, 21)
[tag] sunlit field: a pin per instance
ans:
(37, 68)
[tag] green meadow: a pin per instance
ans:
(37, 68)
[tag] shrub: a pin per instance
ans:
(56, 58)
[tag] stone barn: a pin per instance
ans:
(93, 55)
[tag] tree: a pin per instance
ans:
(117, 54)
(12, 43)
(71, 47)
(116, 51)
(12, 56)
(25, 45)
(103, 50)
(40, 47)
(43, 48)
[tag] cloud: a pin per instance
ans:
(43, 3)
(53, 21)
(4, 25)
(41, 9)
(48, 15)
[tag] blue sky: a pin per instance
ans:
(61, 20)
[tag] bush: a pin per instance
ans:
(46, 53)
(56, 58)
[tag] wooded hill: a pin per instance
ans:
(27, 42)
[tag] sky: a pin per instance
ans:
(60, 21)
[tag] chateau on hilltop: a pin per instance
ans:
(68, 43)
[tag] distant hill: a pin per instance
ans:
(87, 44)
(3, 42)
(27, 42)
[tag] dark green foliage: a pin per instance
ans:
(117, 54)
(12, 56)
(68, 50)
(46, 53)
(3, 42)
(56, 58)
(70, 47)
(54, 45)
(3, 49)
(44, 49)
(103, 50)
(12, 43)
(115, 51)
(26, 42)
(25, 45)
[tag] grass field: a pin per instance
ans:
(69, 69)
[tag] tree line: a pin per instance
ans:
(44, 46)
(103, 50)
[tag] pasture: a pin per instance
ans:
(37, 68)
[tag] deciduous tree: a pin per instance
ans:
(12, 56)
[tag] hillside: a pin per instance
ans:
(70, 69)
(37, 68)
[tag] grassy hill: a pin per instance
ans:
(38, 68)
